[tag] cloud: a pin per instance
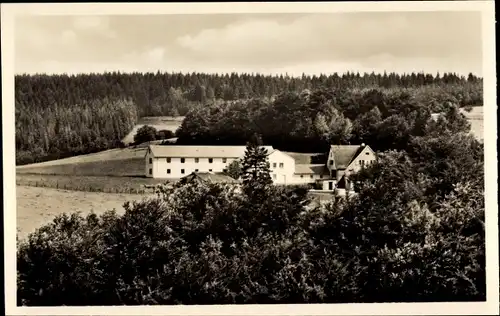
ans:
(397, 41)
(88, 22)
(345, 37)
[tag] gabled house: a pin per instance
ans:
(344, 160)
(206, 163)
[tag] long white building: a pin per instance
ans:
(175, 162)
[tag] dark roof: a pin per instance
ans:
(307, 158)
(201, 151)
(319, 169)
(344, 154)
(210, 177)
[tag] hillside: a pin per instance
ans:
(170, 123)
(38, 206)
(129, 162)
(84, 114)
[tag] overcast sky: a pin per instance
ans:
(272, 43)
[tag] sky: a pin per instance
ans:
(253, 43)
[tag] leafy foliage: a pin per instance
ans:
(144, 134)
(311, 121)
(234, 169)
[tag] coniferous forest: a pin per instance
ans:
(62, 115)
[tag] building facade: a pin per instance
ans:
(175, 162)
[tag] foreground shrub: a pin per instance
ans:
(201, 243)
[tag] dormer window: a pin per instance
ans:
(331, 162)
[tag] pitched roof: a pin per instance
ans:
(210, 177)
(344, 154)
(311, 169)
(201, 151)
(307, 158)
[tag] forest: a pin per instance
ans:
(64, 115)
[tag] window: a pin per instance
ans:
(168, 171)
(196, 160)
(362, 163)
(311, 176)
(274, 176)
(210, 160)
(168, 160)
(331, 162)
(210, 170)
(224, 160)
(274, 165)
(182, 171)
(150, 160)
(367, 153)
(321, 176)
(281, 165)
(183, 160)
(150, 171)
(196, 170)
(301, 176)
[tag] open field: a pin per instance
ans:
(38, 206)
(115, 162)
(476, 119)
(105, 184)
(170, 123)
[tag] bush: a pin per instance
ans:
(164, 134)
(201, 243)
(145, 134)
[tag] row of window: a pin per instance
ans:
(281, 165)
(312, 176)
(196, 160)
(363, 163)
(183, 171)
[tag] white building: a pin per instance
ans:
(342, 161)
(175, 162)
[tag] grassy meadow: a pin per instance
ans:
(38, 206)
(169, 123)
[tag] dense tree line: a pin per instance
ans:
(313, 120)
(413, 233)
(56, 131)
(63, 115)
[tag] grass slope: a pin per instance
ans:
(38, 206)
(170, 123)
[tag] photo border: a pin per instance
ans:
(491, 306)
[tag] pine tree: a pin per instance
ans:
(256, 170)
